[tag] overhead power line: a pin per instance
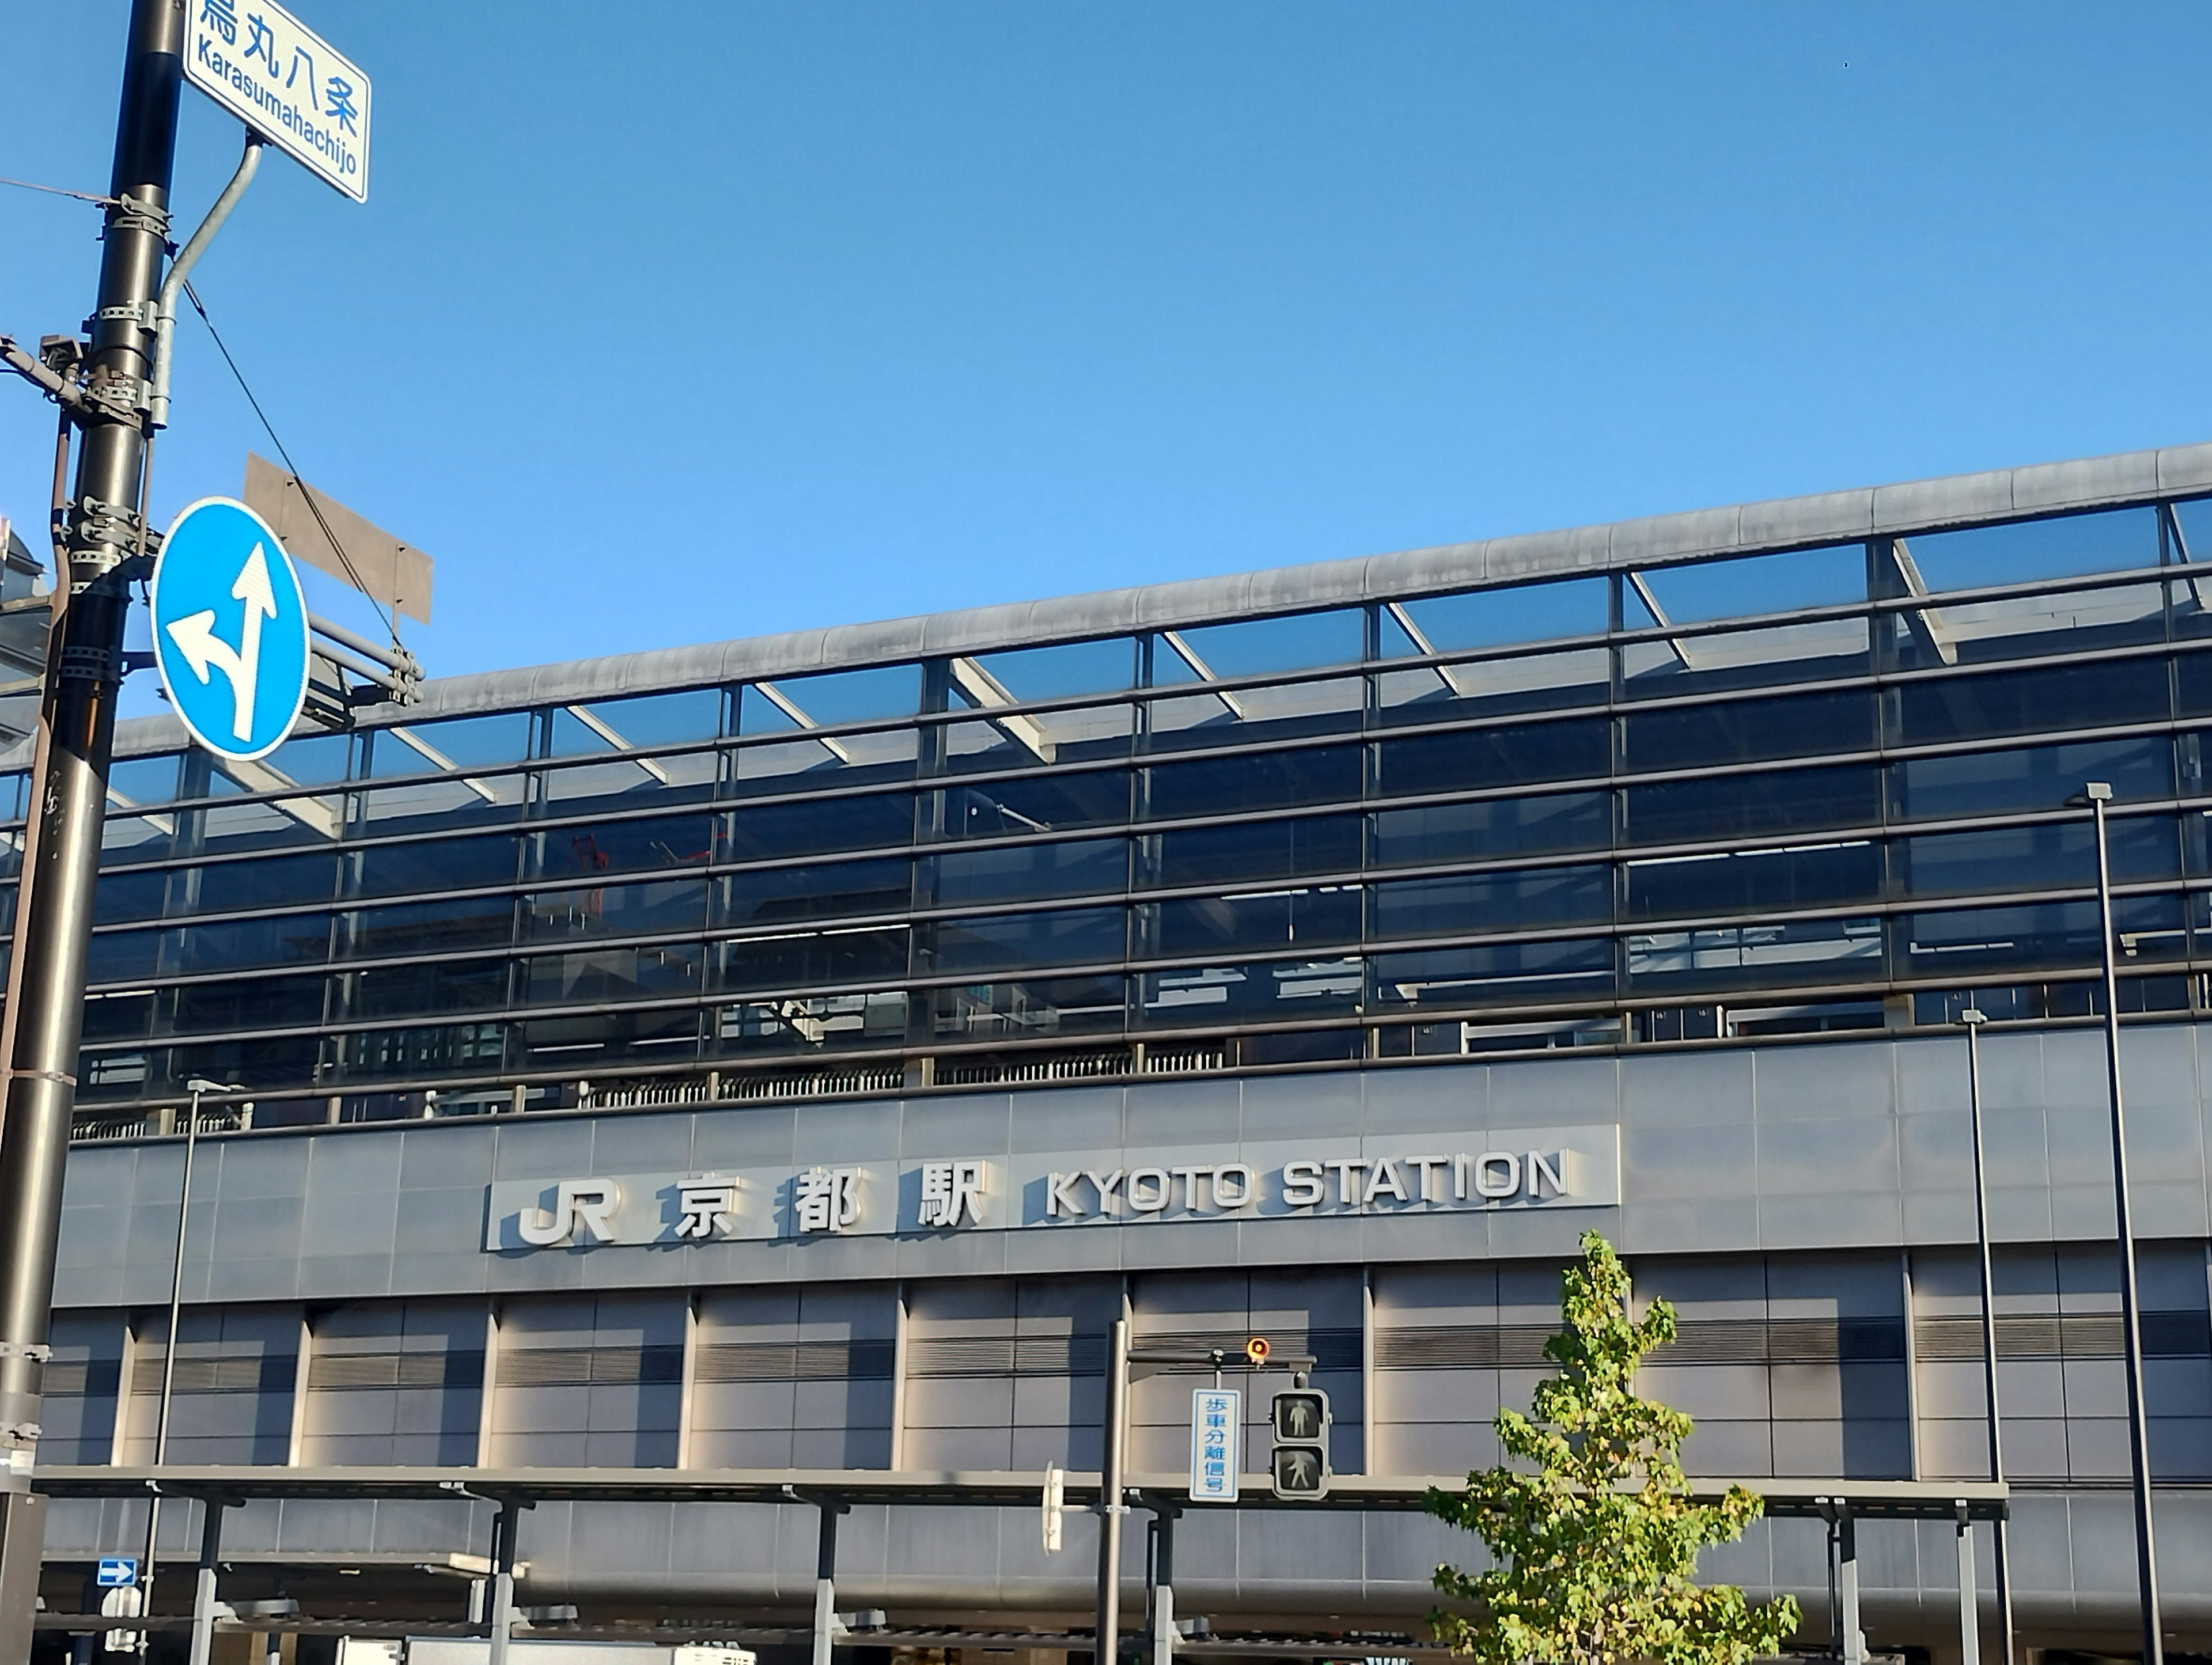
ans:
(307, 491)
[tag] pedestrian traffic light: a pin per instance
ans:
(1300, 1459)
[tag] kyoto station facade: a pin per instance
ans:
(708, 1093)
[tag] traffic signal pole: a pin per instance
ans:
(84, 673)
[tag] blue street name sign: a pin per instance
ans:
(117, 1571)
(230, 630)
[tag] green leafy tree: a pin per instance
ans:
(1596, 1538)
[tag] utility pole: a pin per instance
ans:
(84, 672)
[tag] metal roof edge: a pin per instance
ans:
(1654, 540)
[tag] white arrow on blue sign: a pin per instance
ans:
(230, 630)
(116, 1571)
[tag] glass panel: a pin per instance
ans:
(2111, 540)
(1258, 647)
(1043, 803)
(13, 790)
(637, 783)
(455, 743)
(1281, 993)
(2055, 856)
(636, 724)
(263, 1003)
(623, 846)
(439, 988)
(1034, 1008)
(2034, 778)
(1755, 881)
(441, 806)
(788, 895)
(846, 760)
(855, 954)
(1688, 737)
(1251, 851)
(1524, 901)
(268, 825)
(1502, 827)
(293, 938)
(1764, 955)
(1495, 618)
(1087, 733)
(123, 1017)
(134, 781)
(804, 1023)
(270, 1065)
(129, 896)
(1491, 688)
(814, 828)
(430, 927)
(414, 1054)
(1028, 872)
(614, 973)
(126, 838)
(1757, 658)
(1185, 721)
(2061, 697)
(1792, 800)
(1015, 942)
(1252, 922)
(312, 760)
(1496, 973)
(1255, 780)
(617, 910)
(1468, 760)
(122, 956)
(2042, 934)
(1980, 632)
(1745, 586)
(452, 864)
(272, 882)
(790, 704)
(1066, 671)
(597, 1041)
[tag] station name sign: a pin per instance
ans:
(1528, 1167)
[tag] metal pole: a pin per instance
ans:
(2097, 793)
(1163, 1606)
(203, 1585)
(1111, 1508)
(505, 1530)
(1974, 1018)
(825, 1578)
(1970, 1614)
(1847, 1585)
(169, 1359)
(77, 715)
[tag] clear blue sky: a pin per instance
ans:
(668, 323)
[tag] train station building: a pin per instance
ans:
(781, 1062)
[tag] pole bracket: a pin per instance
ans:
(38, 1350)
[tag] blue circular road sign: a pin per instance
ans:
(230, 630)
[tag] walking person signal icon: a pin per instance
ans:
(230, 630)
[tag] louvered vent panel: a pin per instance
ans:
(2169, 1335)
(242, 1373)
(331, 1370)
(795, 1361)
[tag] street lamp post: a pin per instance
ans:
(2093, 797)
(1974, 1018)
(197, 1085)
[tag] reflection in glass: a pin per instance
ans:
(2059, 697)
(1184, 722)
(1736, 956)
(430, 927)
(2057, 855)
(263, 1003)
(599, 974)
(1256, 780)
(785, 896)
(617, 910)
(1468, 760)
(1794, 726)
(1513, 901)
(1015, 942)
(1785, 801)
(852, 954)
(623, 847)
(455, 864)
(1028, 872)
(1250, 851)
(833, 761)
(404, 1054)
(441, 988)
(1500, 827)
(802, 1023)
(794, 704)
(223, 945)
(444, 747)
(1258, 647)
(1501, 617)
(1066, 671)
(770, 830)
(1265, 993)
(1755, 881)
(1034, 1008)
(1253, 922)
(1041, 803)
(2050, 934)
(2030, 777)
(1496, 973)
(636, 724)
